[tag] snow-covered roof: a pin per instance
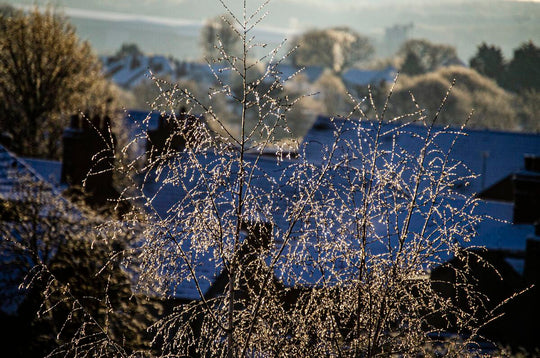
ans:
(359, 77)
(491, 153)
(14, 169)
(49, 170)
(132, 68)
(130, 71)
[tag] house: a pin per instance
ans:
(131, 70)
(355, 77)
(494, 155)
(489, 153)
(517, 265)
(87, 160)
(522, 189)
(39, 209)
(507, 240)
(25, 195)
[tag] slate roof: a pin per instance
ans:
(49, 170)
(13, 168)
(165, 195)
(489, 152)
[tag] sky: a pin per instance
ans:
(173, 26)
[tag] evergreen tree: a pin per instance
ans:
(524, 69)
(430, 56)
(489, 61)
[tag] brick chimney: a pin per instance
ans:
(87, 155)
(532, 163)
(250, 257)
(527, 192)
(172, 133)
(532, 256)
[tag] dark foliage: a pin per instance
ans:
(489, 61)
(524, 69)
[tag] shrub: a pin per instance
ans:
(66, 290)
(322, 255)
(493, 107)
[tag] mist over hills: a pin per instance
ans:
(172, 26)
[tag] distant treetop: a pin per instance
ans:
(489, 61)
(336, 48)
(421, 56)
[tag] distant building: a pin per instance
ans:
(394, 37)
(131, 70)
(510, 263)
(358, 77)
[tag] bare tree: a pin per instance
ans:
(322, 255)
(337, 49)
(329, 256)
(421, 56)
(46, 73)
(220, 34)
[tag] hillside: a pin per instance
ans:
(463, 24)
